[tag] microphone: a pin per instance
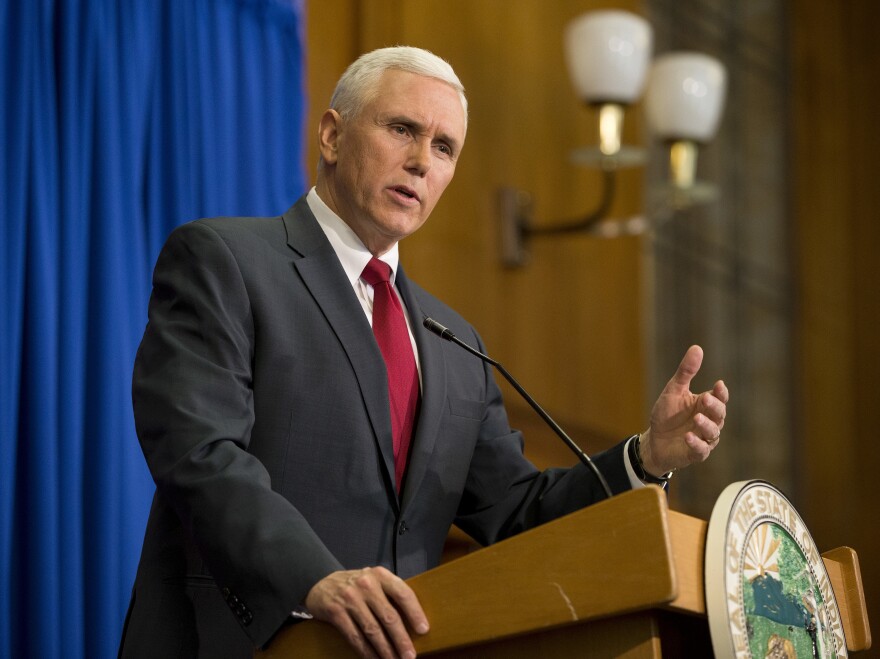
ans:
(445, 333)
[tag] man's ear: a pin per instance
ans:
(328, 135)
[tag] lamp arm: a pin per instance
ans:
(517, 226)
(585, 223)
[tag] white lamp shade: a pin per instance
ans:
(608, 54)
(685, 96)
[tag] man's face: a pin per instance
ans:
(388, 166)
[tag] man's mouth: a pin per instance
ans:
(406, 192)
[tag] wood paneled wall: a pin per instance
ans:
(836, 105)
(568, 326)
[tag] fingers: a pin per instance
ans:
(377, 619)
(687, 369)
(720, 392)
(698, 448)
(407, 602)
(707, 424)
(714, 409)
(370, 607)
(706, 430)
(705, 433)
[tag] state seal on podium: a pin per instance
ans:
(768, 593)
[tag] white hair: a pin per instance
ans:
(360, 82)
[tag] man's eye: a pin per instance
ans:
(444, 149)
(400, 130)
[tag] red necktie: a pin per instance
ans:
(389, 326)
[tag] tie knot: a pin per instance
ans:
(376, 272)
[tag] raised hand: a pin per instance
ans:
(685, 427)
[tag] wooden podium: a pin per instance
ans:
(622, 578)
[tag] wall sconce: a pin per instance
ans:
(608, 55)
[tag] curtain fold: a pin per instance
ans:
(120, 120)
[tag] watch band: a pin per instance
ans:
(635, 459)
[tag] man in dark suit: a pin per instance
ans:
(289, 481)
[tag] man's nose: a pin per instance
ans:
(419, 157)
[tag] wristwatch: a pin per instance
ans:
(635, 459)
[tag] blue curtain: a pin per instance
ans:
(120, 119)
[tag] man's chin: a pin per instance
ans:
(397, 228)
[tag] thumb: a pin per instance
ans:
(687, 369)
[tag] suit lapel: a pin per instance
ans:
(433, 368)
(323, 275)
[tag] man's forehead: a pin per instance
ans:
(402, 92)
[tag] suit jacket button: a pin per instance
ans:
(403, 528)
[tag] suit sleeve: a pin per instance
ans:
(193, 406)
(505, 494)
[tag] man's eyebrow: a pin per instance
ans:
(419, 127)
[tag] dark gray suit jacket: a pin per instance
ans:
(261, 405)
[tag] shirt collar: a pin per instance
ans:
(352, 253)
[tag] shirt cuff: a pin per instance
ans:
(634, 481)
(301, 613)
